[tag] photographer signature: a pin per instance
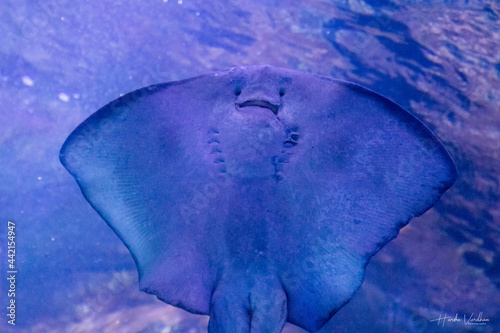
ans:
(471, 320)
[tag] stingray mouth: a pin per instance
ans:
(261, 104)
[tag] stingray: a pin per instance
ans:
(256, 195)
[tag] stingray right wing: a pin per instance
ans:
(362, 168)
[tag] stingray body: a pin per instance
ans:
(256, 195)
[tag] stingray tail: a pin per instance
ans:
(235, 309)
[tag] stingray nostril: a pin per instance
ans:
(282, 92)
(237, 91)
(294, 137)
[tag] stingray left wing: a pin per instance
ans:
(134, 162)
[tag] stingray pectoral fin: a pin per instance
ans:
(362, 169)
(391, 168)
(122, 158)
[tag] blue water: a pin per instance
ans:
(60, 61)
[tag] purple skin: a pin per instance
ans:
(256, 195)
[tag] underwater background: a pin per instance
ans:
(62, 60)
